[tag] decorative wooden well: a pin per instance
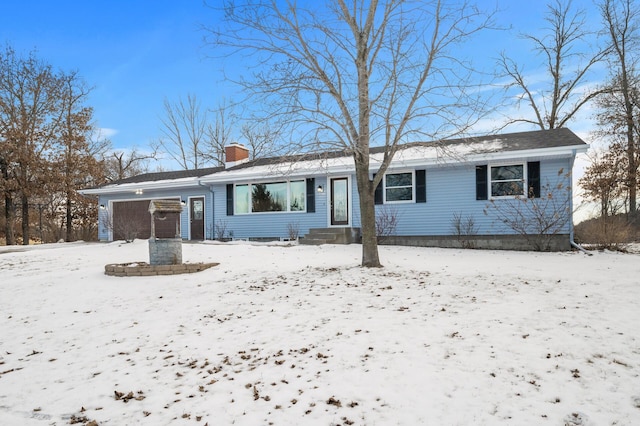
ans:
(165, 251)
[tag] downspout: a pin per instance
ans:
(571, 231)
(212, 211)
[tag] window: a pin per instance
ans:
(402, 187)
(242, 199)
(298, 195)
(270, 197)
(507, 181)
(398, 187)
(197, 209)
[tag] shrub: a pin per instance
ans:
(293, 230)
(464, 227)
(386, 222)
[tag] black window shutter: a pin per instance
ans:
(421, 186)
(230, 199)
(533, 179)
(481, 183)
(311, 195)
(377, 195)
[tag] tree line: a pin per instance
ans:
(50, 146)
(48, 150)
(611, 180)
(569, 50)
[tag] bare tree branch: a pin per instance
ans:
(568, 59)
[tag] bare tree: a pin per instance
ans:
(185, 130)
(568, 58)
(261, 139)
(351, 72)
(622, 27)
(121, 164)
(219, 133)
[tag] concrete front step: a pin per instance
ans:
(318, 236)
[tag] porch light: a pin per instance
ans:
(183, 202)
(102, 207)
(320, 189)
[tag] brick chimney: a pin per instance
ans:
(235, 154)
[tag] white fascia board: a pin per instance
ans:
(299, 170)
(563, 151)
(144, 186)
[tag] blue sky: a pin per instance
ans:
(137, 53)
(134, 54)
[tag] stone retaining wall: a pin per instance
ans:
(558, 242)
(143, 269)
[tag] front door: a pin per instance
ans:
(340, 201)
(196, 210)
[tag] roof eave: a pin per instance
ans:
(561, 151)
(246, 175)
(144, 186)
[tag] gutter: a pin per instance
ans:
(210, 188)
(571, 231)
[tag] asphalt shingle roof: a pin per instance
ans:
(176, 174)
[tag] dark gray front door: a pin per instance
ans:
(196, 213)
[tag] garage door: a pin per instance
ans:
(131, 219)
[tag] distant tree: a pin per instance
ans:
(184, 127)
(219, 133)
(620, 105)
(75, 164)
(348, 73)
(568, 57)
(29, 119)
(603, 181)
(121, 164)
(261, 139)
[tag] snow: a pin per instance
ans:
(423, 154)
(281, 334)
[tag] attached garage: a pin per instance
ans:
(131, 219)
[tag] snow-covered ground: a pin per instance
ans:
(302, 335)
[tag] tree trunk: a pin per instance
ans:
(10, 218)
(25, 221)
(633, 178)
(69, 218)
(367, 219)
(9, 209)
